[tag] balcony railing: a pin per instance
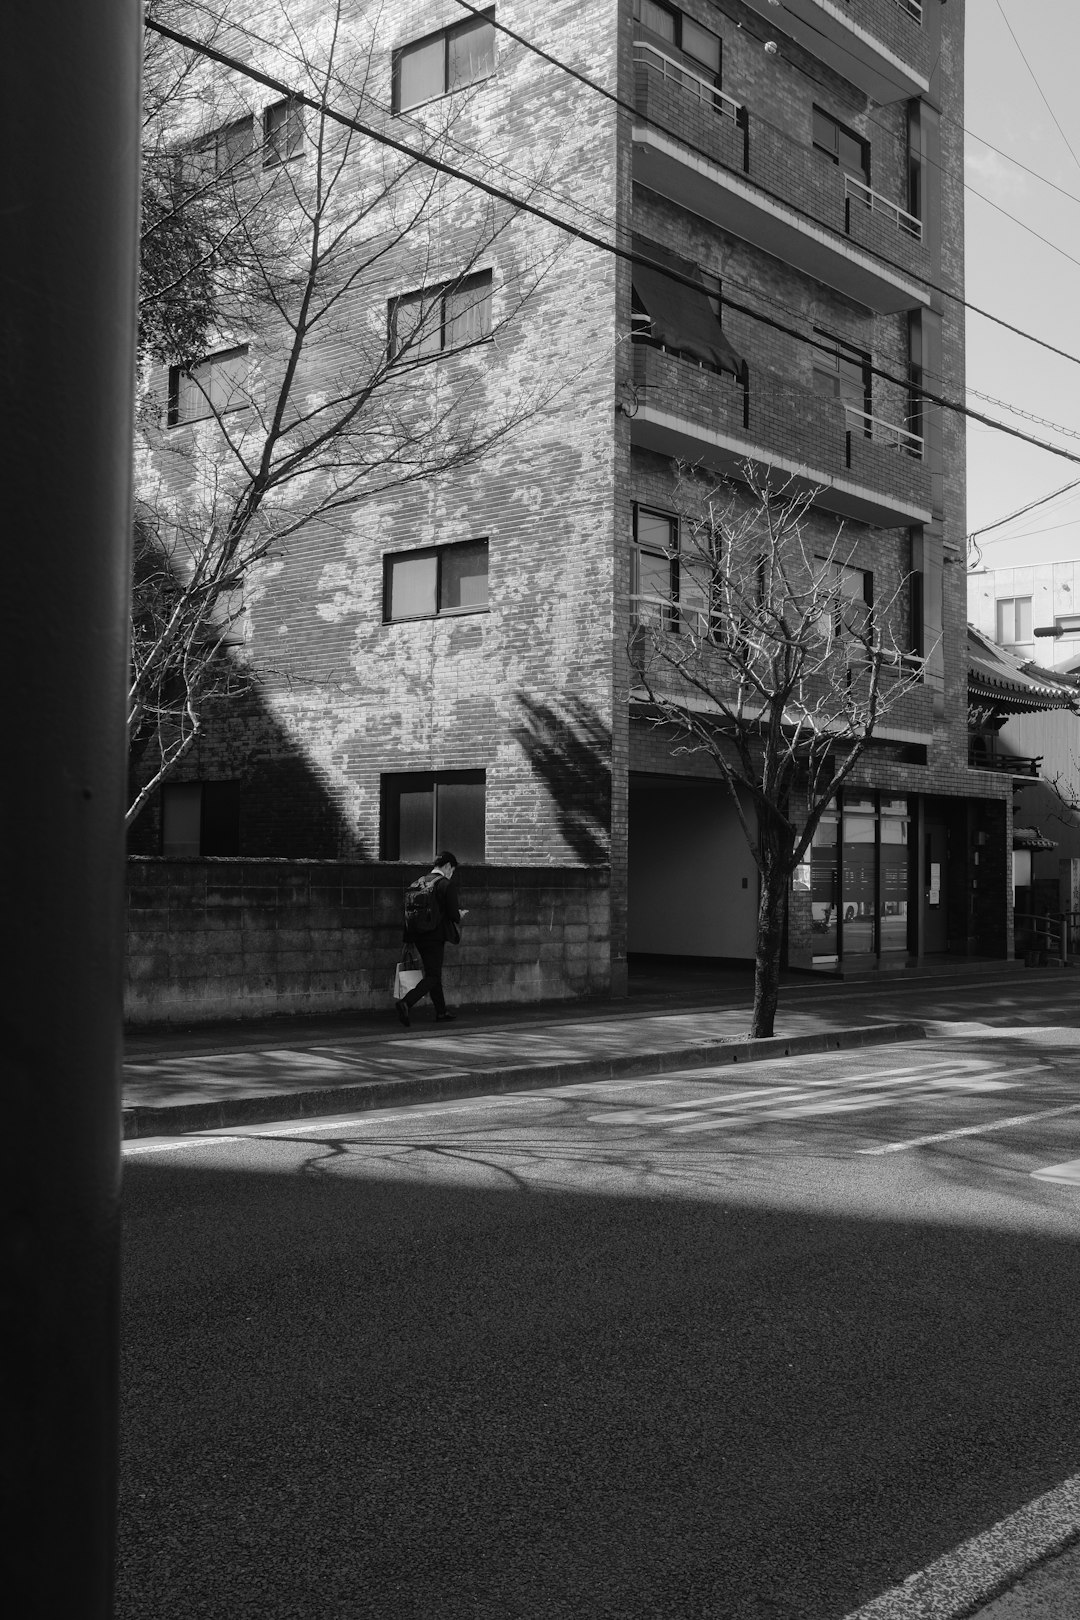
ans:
(872, 427)
(910, 8)
(986, 759)
(668, 68)
(690, 412)
(877, 204)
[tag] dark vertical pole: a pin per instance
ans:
(70, 230)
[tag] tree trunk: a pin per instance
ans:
(770, 937)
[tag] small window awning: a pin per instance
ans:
(1031, 838)
(682, 317)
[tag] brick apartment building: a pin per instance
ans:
(445, 662)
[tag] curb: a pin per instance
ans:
(260, 1108)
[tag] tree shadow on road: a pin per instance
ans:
(361, 1392)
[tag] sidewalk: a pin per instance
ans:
(192, 1079)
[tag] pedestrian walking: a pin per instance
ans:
(432, 916)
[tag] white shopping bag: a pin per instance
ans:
(406, 979)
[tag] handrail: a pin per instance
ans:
(1045, 929)
(899, 437)
(881, 205)
(912, 8)
(723, 104)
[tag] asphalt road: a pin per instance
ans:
(751, 1347)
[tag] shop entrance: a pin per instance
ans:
(860, 880)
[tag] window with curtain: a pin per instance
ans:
(434, 320)
(442, 579)
(440, 63)
(210, 387)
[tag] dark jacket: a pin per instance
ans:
(449, 926)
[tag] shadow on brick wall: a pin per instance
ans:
(568, 745)
(287, 808)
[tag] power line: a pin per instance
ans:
(426, 159)
(1022, 511)
(1037, 85)
(1008, 156)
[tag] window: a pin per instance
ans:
(668, 589)
(221, 152)
(842, 145)
(447, 579)
(1014, 620)
(436, 319)
(675, 28)
(655, 581)
(424, 811)
(200, 818)
(842, 372)
(283, 133)
(852, 592)
(446, 61)
(209, 388)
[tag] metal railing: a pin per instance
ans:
(877, 204)
(1011, 764)
(910, 8)
(872, 427)
(693, 82)
(1047, 936)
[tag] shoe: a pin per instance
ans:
(403, 1012)
(445, 1018)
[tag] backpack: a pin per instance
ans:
(423, 913)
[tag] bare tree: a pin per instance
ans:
(771, 664)
(301, 278)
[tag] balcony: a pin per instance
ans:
(863, 468)
(711, 156)
(983, 755)
(883, 46)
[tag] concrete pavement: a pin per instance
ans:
(198, 1079)
(201, 1079)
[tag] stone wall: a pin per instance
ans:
(211, 939)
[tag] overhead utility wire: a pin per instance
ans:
(1022, 511)
(1037, 85)
(628, 106)
(427, 160)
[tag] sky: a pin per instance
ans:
(1013, 274)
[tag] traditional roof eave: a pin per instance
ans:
(1011, 684)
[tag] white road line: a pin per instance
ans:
(973, 1130)
(979, 1569)
(1069, 1173)
(133, 1149)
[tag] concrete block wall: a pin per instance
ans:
(213, 939)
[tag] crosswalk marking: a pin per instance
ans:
(871, 1089)
(974, 1130)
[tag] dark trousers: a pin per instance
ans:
(432, 949)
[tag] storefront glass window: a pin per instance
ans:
(858, 897)
(824, 886)
(894, 874)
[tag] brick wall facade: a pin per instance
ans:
(533, 689)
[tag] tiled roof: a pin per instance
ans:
(1013, 684)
